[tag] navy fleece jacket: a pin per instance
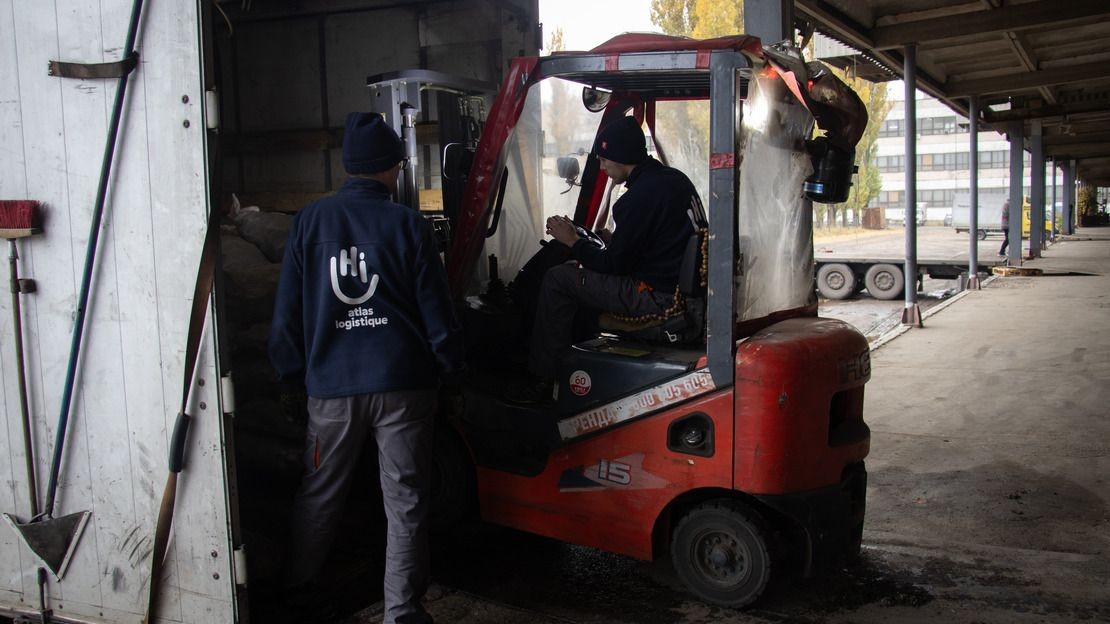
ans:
(651, 228)
(362, 303)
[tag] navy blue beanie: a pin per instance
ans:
(370, 145)
(622, 141)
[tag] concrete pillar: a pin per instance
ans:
(770, 20)
(973, 194)
(911, 315)
(1017, 151)
(1036, 191)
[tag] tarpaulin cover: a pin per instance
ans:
(655, 42)
(774, 218)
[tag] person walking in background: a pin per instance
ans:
(364, 317)
(1005, 228)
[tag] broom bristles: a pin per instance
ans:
(19, 214)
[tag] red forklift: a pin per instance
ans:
(729, 435)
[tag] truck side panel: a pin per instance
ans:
(128, 385)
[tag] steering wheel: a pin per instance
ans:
(591, 237)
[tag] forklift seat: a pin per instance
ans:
(684, 321)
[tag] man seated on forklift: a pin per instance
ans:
(635, 274)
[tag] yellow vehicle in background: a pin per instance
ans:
(1025, 210)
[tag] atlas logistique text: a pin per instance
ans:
(361, 317)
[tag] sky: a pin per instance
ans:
(587, 23)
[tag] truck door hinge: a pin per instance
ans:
(239, 561)
(212, 109)
(227, 394)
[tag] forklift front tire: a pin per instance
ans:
(720, 551)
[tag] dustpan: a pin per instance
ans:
(52, 540)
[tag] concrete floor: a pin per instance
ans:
(988, 494)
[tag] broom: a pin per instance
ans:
(20, 219)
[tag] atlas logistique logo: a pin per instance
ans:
(345, 266)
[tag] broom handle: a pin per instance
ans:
(90, 257)
(17, 322)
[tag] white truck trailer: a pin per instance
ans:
(989, 214)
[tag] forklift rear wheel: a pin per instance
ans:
(720, 552)
(836, 281)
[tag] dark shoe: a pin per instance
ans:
(537, 392)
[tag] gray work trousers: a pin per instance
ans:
(566, 288)
(400, 423)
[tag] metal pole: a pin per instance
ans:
(1017, 151)
(1052, 231)
(1036, 191)
(17, 327)
(912, 314)
(1069, 197)
(770, 20)
(90, 257)
(973, 195)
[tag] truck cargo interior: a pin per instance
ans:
(287, 76)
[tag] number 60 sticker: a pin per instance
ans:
(580, 383)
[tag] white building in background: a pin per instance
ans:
(943, 149)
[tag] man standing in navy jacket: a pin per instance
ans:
(637, 272)
(363, 316)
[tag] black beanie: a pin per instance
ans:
(622, 141)
(370, 145)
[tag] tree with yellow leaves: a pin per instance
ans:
(867, 183)
(703, 19)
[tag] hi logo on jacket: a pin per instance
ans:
(346, 266)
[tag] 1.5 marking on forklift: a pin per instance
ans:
(686, 387)
(624, 473)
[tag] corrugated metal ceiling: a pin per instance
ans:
(1044, 60)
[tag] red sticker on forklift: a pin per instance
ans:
(580, 382)
(651, 400)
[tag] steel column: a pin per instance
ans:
(912, 314)
(1017, 188)
(770, 20)
(1069, 197)
(1036, 190)
(1052, 232)
(973, 194)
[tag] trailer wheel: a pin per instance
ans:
(982, 234)
(836, 281)
(720, 551)
(884, 281)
